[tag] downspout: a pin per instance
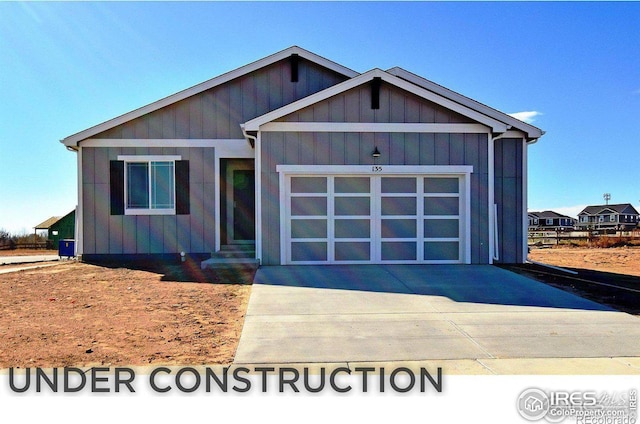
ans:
(251, 138)
(253, 141)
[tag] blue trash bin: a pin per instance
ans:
(67, 247)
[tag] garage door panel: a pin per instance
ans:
(441, 251)
(352, 228)
(441, 206)
(398, 185)
(441, 185)
(441, 228)
(398, 206)
(352, 206)
(398, 251)
(308, 228)
(308, 206)
(352, 185)
(308, 184)
(399, 228)
(309, 251)
(353, 251)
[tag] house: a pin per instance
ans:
(45, 226)
(58, 228)
(623, 217)
(300, 160)
(63, 228)
(550, 221)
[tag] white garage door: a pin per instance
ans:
(343, 219)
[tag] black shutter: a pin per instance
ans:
(293, 60)
(182, 187)
(116, 186)
(375, 92)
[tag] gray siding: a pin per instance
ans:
(355, 149)
(108, 234)
(509, 198)
(396, 105)
(218, 112)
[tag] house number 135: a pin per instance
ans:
(376, 169)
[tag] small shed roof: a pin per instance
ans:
(48, 223)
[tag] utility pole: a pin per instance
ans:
(607, 197)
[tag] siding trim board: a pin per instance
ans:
(373, 127)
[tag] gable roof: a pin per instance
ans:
(618, 208)
(549, 214)
(73, 140)
(533, 133)
(496, 126)
(48, 223)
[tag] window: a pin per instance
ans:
(150, 185)
(612, 218)
(549, 221)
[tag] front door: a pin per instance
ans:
(240, 202)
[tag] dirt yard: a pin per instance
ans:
(619, 260)
(86, 315)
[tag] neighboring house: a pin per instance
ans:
(58, 228)
(63, 228)
(46, 226)
(622, 217)
(550, 221)
(311, 163)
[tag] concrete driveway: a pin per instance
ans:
(381, 313)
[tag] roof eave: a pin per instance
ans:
(73, 140)
(493, 125)
(533, 133)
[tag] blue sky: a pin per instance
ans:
(574, 66)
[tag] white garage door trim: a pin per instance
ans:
(376, 239)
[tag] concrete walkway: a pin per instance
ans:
(475, 318)
(10, 260)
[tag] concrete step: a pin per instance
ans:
(229, 263)
(233, 254)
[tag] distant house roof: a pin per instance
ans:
(549, 214)
(619, 208)
(48, 223)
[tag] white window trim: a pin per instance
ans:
(148, 159)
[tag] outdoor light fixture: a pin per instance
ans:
(376, 152)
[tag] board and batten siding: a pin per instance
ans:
(218, 112)
(508, 184)
(106, 234)
(316, 148)
(396, 105)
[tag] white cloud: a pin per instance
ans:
(527, 116)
